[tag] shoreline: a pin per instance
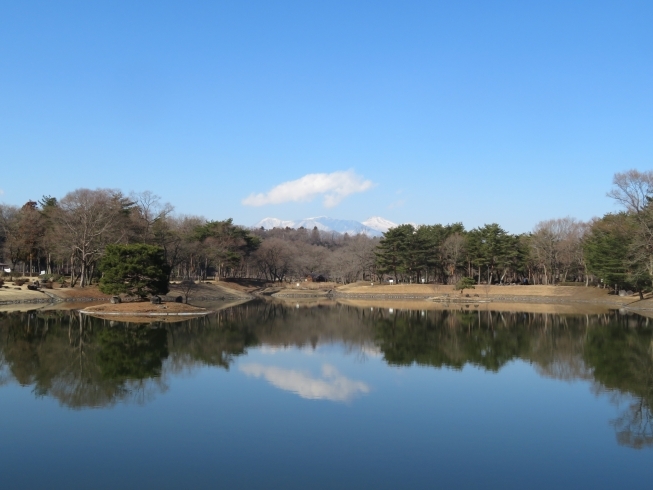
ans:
(140, 314)
(483, 299)
(444, 295)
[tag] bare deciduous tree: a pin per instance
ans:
(275, 258)
(632, 189)
(148, 212)
(187, 286)
(453, 251)
(87, 221)
(556, 247)
(9, 233)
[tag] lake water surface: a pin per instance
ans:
(266, 395)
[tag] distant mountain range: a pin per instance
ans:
(374, 226)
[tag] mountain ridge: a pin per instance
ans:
(374, 226)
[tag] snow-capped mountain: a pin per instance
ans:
(379, 224)
(374, 226)
(269, 223)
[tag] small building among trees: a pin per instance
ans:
(316, 278)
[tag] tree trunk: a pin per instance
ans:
(72, 273)
(82, 279)
(91, 272)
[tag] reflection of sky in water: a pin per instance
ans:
(271, 350)
(331, 385)
(451, 405)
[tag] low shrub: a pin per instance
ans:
(50, 277)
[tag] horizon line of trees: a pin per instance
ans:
(68, 237)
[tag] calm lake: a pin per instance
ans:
(272, 395)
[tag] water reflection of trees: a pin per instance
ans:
(86, 362)
(613, 351)
(71, 358)
(484, 339)
(622, 361)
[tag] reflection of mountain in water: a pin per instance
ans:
(90, 362)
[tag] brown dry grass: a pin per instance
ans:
(314, 286)
(87, 292)
(144, 308)
(14, 293)
(208, 290)
(242, 285)
(301, 286)
(568, 293)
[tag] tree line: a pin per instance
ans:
(68, 237)
(615, 250)
(446, 254)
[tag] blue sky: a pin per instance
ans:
(436, 112)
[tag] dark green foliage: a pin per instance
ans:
(227, 244)
(640, 250)
(414, 253)
(48, 202)
(131, 353)
(395, 252)
(620, 359)
(492, 250)
(465, 283)
(136, 270)
(606, 248)
(442, 253)
(406, 339)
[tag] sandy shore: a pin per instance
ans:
(145, 308)
(145, 311)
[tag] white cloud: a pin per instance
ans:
(332, 386)
(334, 186)
(1, 192)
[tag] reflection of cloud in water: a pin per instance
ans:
(271, 350)
(332, 386)
(266, 349)
(371, 351)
